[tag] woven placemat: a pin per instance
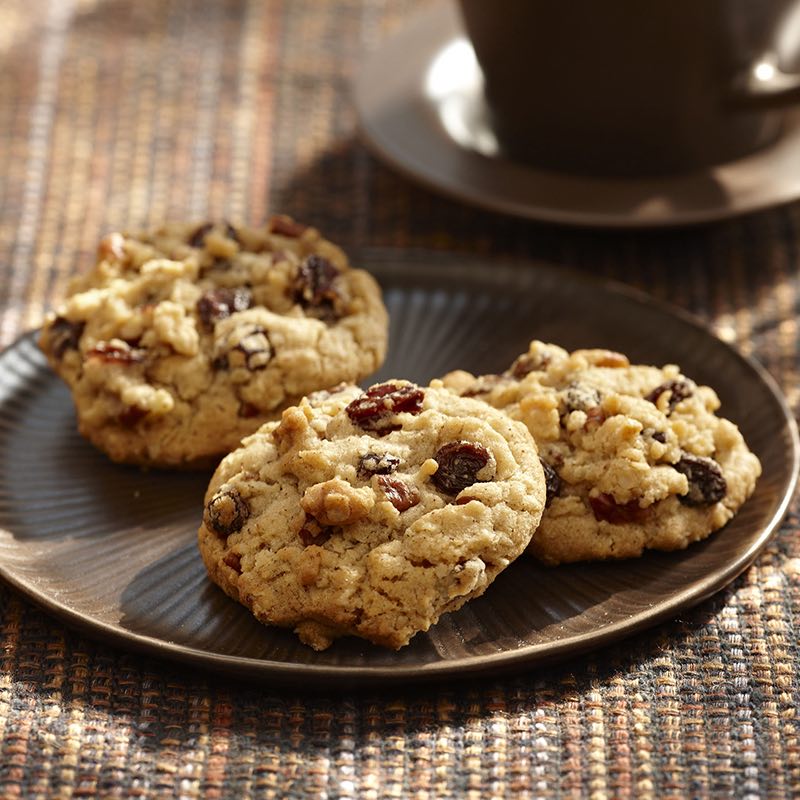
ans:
(119, 113)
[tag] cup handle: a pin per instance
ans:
(766, 85)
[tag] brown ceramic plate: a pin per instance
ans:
(420, 106)
(111, 549)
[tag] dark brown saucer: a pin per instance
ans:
(111, 549)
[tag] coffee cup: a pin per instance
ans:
(635, 87)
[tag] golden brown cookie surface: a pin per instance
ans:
(635, 455)
(183, 340)
(371, 513)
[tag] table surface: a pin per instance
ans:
(120, 113)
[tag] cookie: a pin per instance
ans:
(181, 341)
(635, 456)
(371, 513)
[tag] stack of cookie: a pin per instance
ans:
(339, 511)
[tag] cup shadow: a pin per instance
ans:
(370, 205)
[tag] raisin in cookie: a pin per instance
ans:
(183, 340)
(634, 456)
(371, 513)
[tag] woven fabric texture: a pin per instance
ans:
(120, 113)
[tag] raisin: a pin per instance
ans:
(254, 351)
(375, 409)
(308, 538)
(527, 363)
(707, 484)
(314, 288)
(217, 304)
(234, 561)
(225, 513)
(231, 232)
(606, 509)
(248, 410)
(679, 390)
(459, 465)
(581, 398)
(198, 236)
(656, 436)
(65, 335)
(131, 416)
(552, 482)
(377, 464)
(313, 532)
(399, 493)
(286, 226)
(116, 354)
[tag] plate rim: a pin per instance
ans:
(392, 265)
(425, 23)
